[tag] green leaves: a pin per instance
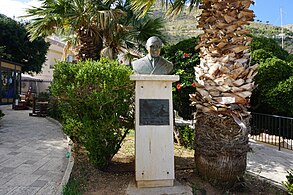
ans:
(289, 183)
(17, 47)
(96, 98)
(275, 86)
(269, 45)
(184, 58)
(273, 93)
(141, 7)
(92, 25)
(272, 71)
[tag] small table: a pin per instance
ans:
(43, 107)
(40, 108)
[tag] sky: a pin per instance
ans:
(270, 10)
(265, 10)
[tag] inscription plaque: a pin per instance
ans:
(154, 112)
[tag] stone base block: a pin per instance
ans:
(155, 183)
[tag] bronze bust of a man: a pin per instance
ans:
(153, 63)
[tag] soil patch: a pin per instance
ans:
(115, 179)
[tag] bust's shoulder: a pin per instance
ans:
(165, 61)
(140, 60)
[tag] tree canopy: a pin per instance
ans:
(273, 94)
(94, 25)
(16, 46)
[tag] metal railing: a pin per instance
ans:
(272, 129)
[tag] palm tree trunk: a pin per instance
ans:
(224, 85)
(90, 44)
(220, 149)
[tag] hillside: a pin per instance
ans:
(289, 26)
(185, 26)
(180, 27)
(275, 32)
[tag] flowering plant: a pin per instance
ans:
(184, 58)
(185, 55)
(178, 86)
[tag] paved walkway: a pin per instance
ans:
(266, 161)
(32, 154)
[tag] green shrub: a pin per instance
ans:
(260, 56)
(273, 94)
(269, 45)
(96, 100)
(187, 136)
(276, 66)
(289, 183)
(55, 109)
(281, 97)
(273, 71)
(72, 188)
(184, 57)
(289, 58)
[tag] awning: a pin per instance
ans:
(27, 77)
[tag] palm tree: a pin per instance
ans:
(130, 35)
(93, 26)
(224, 84)
(85, 19)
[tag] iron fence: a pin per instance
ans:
(272, 129)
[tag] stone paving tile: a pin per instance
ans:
(52, 176)
(6, 177)
(42, 161)
(22, 180)
(49, 188)
(6, 190)
(32, 158)
(23, 190)
(25, 169)
(12, 162)
(6, 169)
(3, 158)
(29, 155)
(39, 183)
(30, 162)
(13, 153)
(15, 147)
(53, 164)
(40, 172)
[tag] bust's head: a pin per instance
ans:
(154, 45)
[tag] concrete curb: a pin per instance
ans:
(54, 121)
(272, 182)
(70, 164)
(67, 171)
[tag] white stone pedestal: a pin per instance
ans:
(154, 149)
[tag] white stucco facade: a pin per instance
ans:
(41, 81)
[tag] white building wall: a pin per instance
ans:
(54, 55)
(41, 82)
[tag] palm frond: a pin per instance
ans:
(105, 17)
(178, 6)
(147, 27)
(141, 7)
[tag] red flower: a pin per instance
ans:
(193, 85)
(178, 86)
(186, 55)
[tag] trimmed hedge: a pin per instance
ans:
(96, 100)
